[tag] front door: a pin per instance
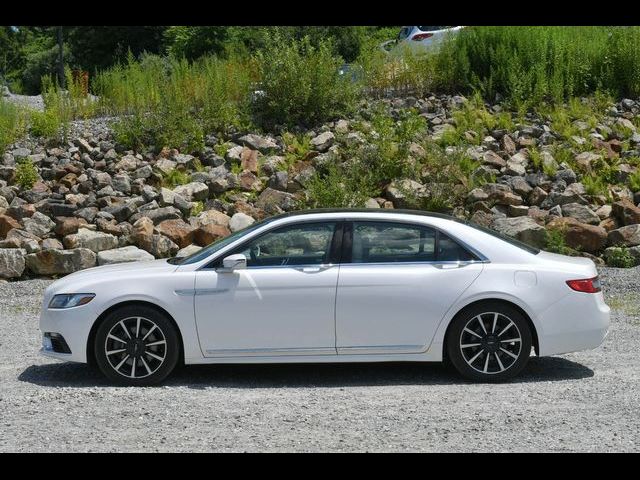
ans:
(283, 303)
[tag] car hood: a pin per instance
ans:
(120, 270)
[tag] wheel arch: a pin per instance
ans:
(94, 328)
(522, 311)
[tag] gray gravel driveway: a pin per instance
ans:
(586, 401)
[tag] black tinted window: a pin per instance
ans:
(432, 28)
(451, 251)
(385, 242)
(307, 244)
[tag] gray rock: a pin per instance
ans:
(38, 224)
(582, 213)
(322, 142)
(124, 254)
(275, 201)
(92, 240)
(257, 142)
(628, 236)
(239, 221)
(193, 191)
(12, 262)
(524, 229)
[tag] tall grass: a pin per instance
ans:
(13, 121)
(174, 102)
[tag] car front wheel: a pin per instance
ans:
(489, 342)
(137, 346)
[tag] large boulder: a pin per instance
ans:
(275, 201)
(193, 191)
(626, 212)
(501, 194)
(7, 223)
(628, 236)
(212, 217)
(580, 236)
(60, 262)
(94, 241)
(179, 231)
(581, 213)
(322, 142)
(257, 142)
(209, 233)
(12, 262)
(38, 224)
(524, 229)
(123, 254)
(239, 221)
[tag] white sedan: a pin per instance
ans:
(422, 37)
(331, 286)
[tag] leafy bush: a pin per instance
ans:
(175, 178)
(12, 124)
(556, 242)
(44, 124)
(619, 257)
(300, 85)
(26, 173)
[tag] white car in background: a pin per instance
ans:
(331, 286)
(419, 38)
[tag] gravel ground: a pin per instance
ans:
(585, 401)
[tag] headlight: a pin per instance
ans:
(68, 300)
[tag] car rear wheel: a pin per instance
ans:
(137, 346)
(489, 342)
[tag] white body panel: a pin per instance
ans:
(342, 313)
(265, 311)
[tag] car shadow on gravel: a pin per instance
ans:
(547, 369)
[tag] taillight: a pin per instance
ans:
(587, 285)
(421, 36)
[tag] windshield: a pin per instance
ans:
(217, 245)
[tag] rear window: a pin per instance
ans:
(432, 28)
(506, 238)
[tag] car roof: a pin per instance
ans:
(386, 211)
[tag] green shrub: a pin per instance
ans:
(634, 181)
(337, 188)
(175, 178)
(619, 257)
(300, 85)
(12, 124)
(26, 173)
(44, 124)
(555, 242)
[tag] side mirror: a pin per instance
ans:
(234, 262)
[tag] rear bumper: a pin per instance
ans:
(579, 321)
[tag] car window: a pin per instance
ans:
(451, 251)
(404, 33)
(432, 28)
(217, 245)
(384, 242)
(307, 244)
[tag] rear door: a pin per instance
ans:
(396, 282)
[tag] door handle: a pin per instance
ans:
(450, 266)
(316, 268)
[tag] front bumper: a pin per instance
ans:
(579, 321)
(74, 325)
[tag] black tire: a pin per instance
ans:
(484, 356)
(147, 370)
